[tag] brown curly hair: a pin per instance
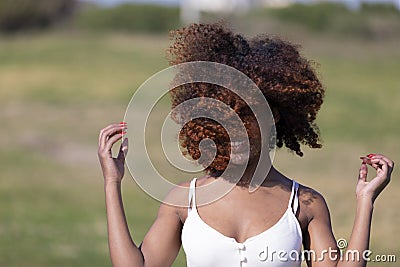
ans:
(287, 80)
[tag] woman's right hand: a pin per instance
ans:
(113, 168)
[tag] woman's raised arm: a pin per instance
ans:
(320, 241)
(162, 242)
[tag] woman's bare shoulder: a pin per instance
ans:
(311, 201)
(179, 196)
(308, 195)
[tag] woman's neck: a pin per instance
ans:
(253, 175)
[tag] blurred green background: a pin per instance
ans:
(67, 69)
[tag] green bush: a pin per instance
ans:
(26, 14)
(370, 21)
(379, 9)
(129, 17)
(317, 17)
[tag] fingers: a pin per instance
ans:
(110, 135)
(389, 162)
(102, 136)
(112, 140)
(123, 150)
(109, 131)
(363, 172)
(382, 164)
(366, 160)
(379, 161)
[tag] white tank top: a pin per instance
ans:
(279, 245)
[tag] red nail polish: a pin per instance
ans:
(123, 133)
(370, 155)
(365, 160)
(122, 122)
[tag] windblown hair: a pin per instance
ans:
(287, 80)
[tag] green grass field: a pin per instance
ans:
(59, 89)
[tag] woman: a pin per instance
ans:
(266, 227)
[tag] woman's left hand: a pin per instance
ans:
(371, 189)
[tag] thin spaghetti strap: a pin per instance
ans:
(296, 197)
(192, 195)
(293, 197)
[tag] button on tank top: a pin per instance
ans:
(279, 245)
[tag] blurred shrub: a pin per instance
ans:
(25, 14)
(129, 17)
(379, 9)
(370, 21)
(317, 17)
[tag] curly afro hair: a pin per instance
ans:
(287, 80)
